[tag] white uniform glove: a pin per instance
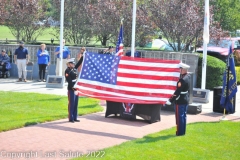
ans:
(76, 92)
(168, 102)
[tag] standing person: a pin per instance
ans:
(110, 50)
(181, 98)
(71, 77)
(43, 62)
(21, 60)
(4, 60)
(66, 55)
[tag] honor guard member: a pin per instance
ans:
(71, 77)
(181, 99)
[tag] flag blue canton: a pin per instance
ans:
(100, 68)
(120, 39)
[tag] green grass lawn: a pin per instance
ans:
(6, 33)
(203, 141)
(44, 38)
(22, 109)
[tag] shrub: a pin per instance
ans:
(237, 68)
(214, 72)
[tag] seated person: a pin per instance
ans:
(4, 62)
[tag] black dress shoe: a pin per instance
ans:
(72, 121)
(77, 120)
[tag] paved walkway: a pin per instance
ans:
(63, 140)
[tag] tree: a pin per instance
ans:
(107, 15)
(226, 12)
(21, 18)
(3, 13)
(77, 23)
(179, 21)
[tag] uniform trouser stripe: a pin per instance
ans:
(72, 105)
(177, 119)
(68, 105)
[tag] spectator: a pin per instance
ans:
(43, 62)
(21, 60)
(110, 50)
(4, 61)
(66, 55)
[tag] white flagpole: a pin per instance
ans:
(61, 37)
(133, 27)
(205, 42)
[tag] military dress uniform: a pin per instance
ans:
(181, 99)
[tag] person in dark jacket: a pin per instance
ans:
(110, 50)
(71, 77)
(4, 61)
(181, 99)
(21, 60)
(43, 62)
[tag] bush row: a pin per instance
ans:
(237, 68)
(214, 72)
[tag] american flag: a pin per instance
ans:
(127, 79)
(119, 46)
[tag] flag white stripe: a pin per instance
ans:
(153, 73)
(125, 88)
(146, 81)
(147, 64)
(123, 95)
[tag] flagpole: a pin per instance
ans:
(61, 38)
(224, 115)
(133, 27)
(227, 92)
(205, 42)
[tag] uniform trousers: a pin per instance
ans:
(72, 106)
(181, 118)
(22, 68)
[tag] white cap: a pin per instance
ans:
(71, 60)
(183, 65)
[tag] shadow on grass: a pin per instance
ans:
(88, 106)
(148, 139)
(34, 100)
(30, 123)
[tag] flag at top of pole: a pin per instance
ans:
(119, 46)
(206, 23)
(229, 83)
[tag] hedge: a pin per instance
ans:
(214, 72)
(237, 68)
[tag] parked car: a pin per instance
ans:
(219, 48)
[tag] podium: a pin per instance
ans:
(149, 112)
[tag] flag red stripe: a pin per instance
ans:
(150, 77)
(136, 59)
(148, 68)
(149, 86)
(160, 95)
(110, 97)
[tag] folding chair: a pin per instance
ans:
(30, 68)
